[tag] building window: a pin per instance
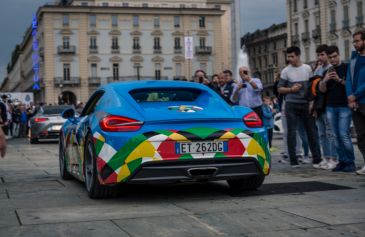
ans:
(275, 59)
(66, 42)
(136, 43)
(115, 71)
(93, 44)
(176, 21)
(125, 4)
(274, 46)
(202, 21)
(65, 20)
(135, 21)
(157, 71)
(145, 5)
(307, 55)
(295, 5)
(115, 42)
(333, 20)
(114, 20)
(177, 43)
(203, 66)
(66, 72)
(296, 28)
(156, 43)
(317, 21)
(306, 26)
(156, 22)
(346, 20)
(84, 4)
(305, 4)
(316, 2)
(92, 20)
(178, 70)
(105, 4)
(202, 42)
(347, 49)
(94, 69)
(359, 8)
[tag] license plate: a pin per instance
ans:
(201, 147)
(56, 127)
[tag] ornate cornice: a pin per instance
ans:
(178, 59)
(156, 33)
(115, 32)
(115, 59)
(93, 59)
(157, 59)
(136, 33)
(137, 59)
(93, 32)
(66, 32)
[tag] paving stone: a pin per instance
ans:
(89, 229)
(174, 226)
(95, 212)
(333, 214)
(247, 221)
(354, 230)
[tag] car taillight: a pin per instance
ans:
(40, 120)
(252, 120)
(114, 123)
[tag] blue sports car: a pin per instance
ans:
(157, 131)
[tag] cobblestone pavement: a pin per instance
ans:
(34, 201)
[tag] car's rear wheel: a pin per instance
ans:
(65, 175)
(246, 184)
(93, 186)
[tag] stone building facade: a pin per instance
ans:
(82, 44)
(332, 22)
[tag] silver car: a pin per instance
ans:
(46, 123)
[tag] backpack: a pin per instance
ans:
(314, 94)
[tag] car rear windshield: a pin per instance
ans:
(55, 109)
(165, 94)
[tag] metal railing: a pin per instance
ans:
(94, 81)
(64, 81)
(66, 50)
(203, 50)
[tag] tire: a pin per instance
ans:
(246, 184)
(65, 175)
(93, 187)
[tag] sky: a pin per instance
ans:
(16, 16)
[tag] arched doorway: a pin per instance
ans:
(67, 97)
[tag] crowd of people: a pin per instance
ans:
(317, 104)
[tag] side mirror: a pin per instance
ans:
(68, 113)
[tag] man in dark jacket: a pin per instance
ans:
(355, 90)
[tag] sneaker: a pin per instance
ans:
(339, 167)
(283, 161)
(299, 158)
(296, 166)
(306, 160)
(320, 165)
(361, 171)
(349, 168)
(331, 164)
(273, 149)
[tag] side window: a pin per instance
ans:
(92, 103)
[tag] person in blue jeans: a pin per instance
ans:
(338, 112)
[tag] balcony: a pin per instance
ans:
(136, 49)
(203, 50)
(94, 81)
(178, 50)
(115, 50)
(71, 81)
(345, 24)
(359, 20)
(93, 49)
(157, 50)
(115, 79)
(66, 50)
(295, 39)
(316, 33)
(305, 36)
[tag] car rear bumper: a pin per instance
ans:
(203, 169)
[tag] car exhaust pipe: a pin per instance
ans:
(202, 173)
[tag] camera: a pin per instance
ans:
(201, 79)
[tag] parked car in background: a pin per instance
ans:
(46, 123)
(162, 131)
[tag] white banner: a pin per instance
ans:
(189, 47)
